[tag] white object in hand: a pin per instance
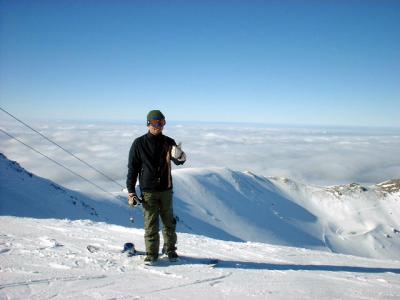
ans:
(176, 151)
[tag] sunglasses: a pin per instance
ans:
(156, 123)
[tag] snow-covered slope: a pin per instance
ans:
(26, 195)
(235, 206)
(49, 259)
(348, 219)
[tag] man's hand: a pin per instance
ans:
(177, 153)
(133, 200)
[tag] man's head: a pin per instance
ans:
(155, 121)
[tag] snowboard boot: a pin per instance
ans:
(172, 256)
(150, 259)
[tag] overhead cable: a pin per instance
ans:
(59, 164)
(67, 151)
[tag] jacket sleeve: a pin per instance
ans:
(134, 165)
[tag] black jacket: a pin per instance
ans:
(150, 159)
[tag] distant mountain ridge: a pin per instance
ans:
(238, 206)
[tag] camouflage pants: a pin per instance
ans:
(156, 205)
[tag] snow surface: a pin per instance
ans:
(245, 221)
(48, 258)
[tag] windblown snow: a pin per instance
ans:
(273, 238)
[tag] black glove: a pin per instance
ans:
(133, 200)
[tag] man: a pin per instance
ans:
(150, 158)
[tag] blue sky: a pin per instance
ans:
(281, 62)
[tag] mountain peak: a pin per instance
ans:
(390, 186)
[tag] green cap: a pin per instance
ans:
(155, 115)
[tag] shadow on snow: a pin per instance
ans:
(247, 265)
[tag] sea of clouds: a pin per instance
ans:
(314, 155)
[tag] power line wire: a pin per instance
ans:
(59, 164)
(67, 151)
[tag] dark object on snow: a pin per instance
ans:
(129, 248)
(92, 248)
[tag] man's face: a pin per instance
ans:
(156, 126)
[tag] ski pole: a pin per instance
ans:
(131, 218)
(132, 210)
